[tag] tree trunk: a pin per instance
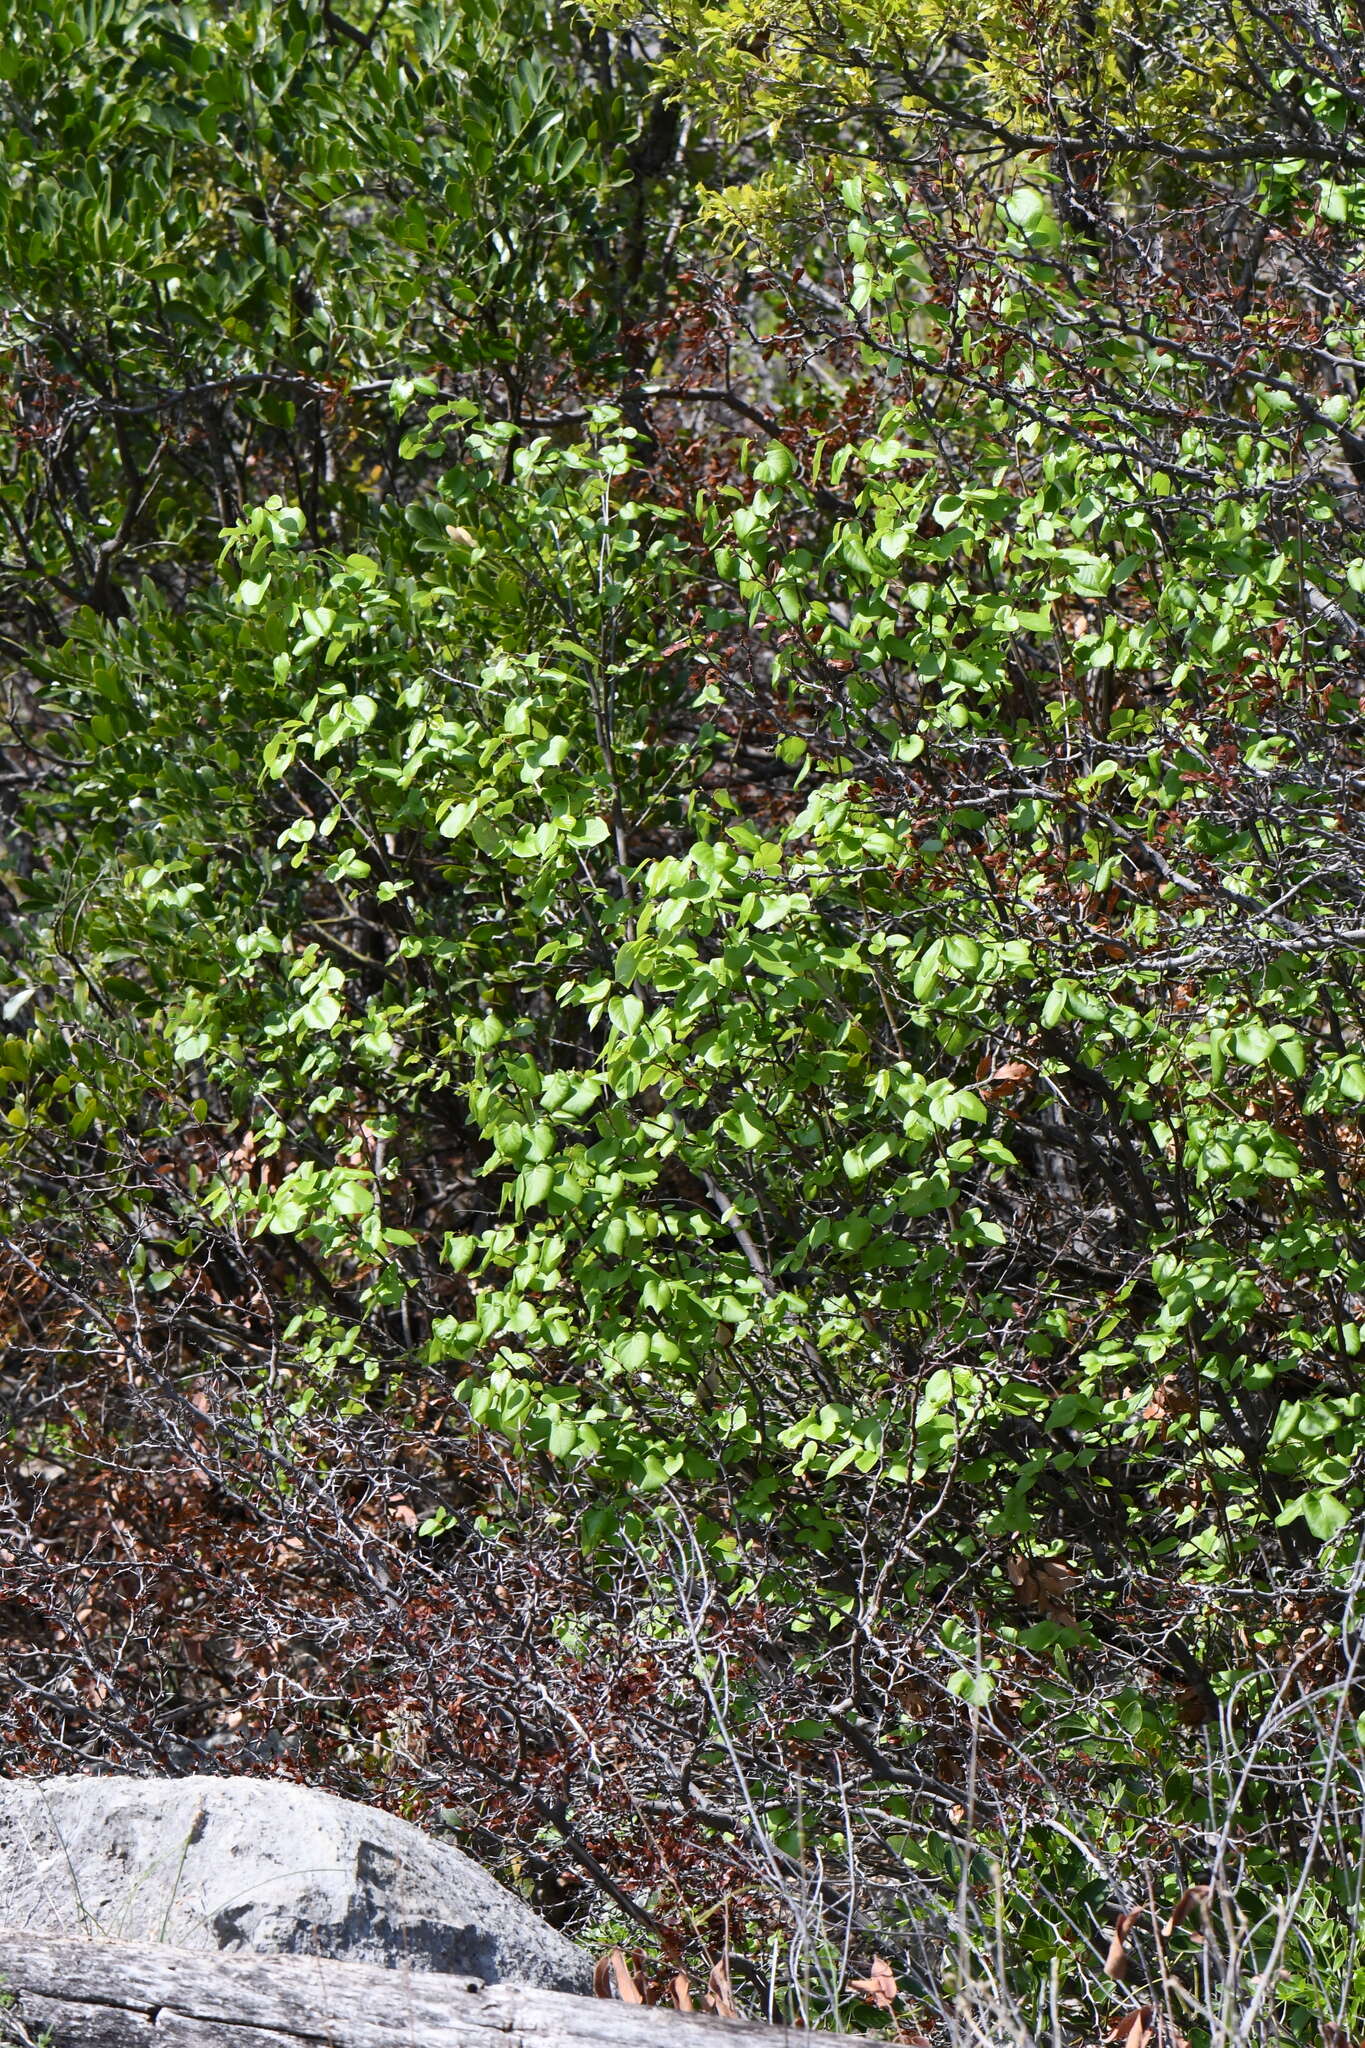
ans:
(115, 1994)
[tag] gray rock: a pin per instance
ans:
(256, 1866)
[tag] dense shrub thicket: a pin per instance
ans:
(683, 1149)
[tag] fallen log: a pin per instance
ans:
(116, 1994)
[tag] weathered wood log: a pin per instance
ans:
(116, 1994)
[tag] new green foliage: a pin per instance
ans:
(750, 877)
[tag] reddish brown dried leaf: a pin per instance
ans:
(1170, 1399)
(879, 1985)
(627, 1990)
(1116, 1962)
(719, 1997)
(1013, 1074)
(1044, 1583)
(1194, 1899)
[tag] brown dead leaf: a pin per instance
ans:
(1003, 1080)
(1044, 1583)
(601, 1977)
(879, 1986)
(682, 1992)
(1194, 1705)
(1195, 1899)
(719, 1997)
(1116, 1962)
(1170, 1401)
(1133, 2029)
(627, 1990)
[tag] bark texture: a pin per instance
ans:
(114, 1994)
